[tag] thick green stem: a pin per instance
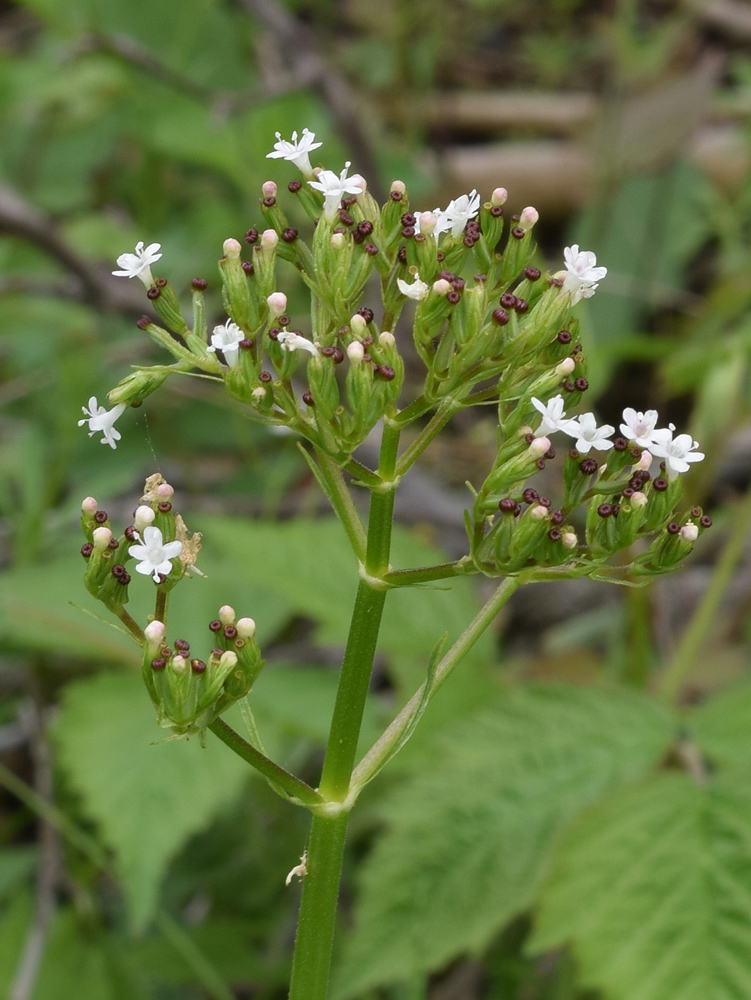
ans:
(291, 784)
(426, 574)
(133, 627)
(315, 930)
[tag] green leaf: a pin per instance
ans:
(146, 799)
(653, 889)
(16, 864)
(468, 841)
(722, 726)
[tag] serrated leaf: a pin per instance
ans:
(146, 799)
(469, 840)
(722, 727)
(653, 889)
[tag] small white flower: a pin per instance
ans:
(102, 420)
(288, 340)
(581, 274)
(678, 452)
(553, 416)
(138, 264)
(418, 290)
(296, 150)
(639, 427)
(226, 338)
(689, 532)
(154, 554)
(588, 434)
(334, 188)
(458, 212)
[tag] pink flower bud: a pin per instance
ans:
(538, 447)
(428, 222)
(154, 633)
(165, 491)
(277, 303)
(269, 189)
(386, 339)
(360, 181)
(143, 517)
(101, 538)
(638, 500)
(441, 287)
(231, 249)
(246, 628)
(269, 238)
(538, 513)
(565, 367)
(399, 186)
(528, 218)
(89, 506)
(227, 615)
(337, 241)
(179, 664)
(644, 462)
(355, 352)
(499, 197)
(689, 532)
(569, 539)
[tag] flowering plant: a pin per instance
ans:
(490, 328)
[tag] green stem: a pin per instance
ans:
(363, 474)
(439, 419)
(291, 784)
(382, 749)
(425, 574)
(160, 610)
(341, 500)
(701, 620)
(315, 930)
(413, 411)
(133, 627)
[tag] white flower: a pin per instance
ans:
(226, 338)
(588, 434)
(418, 290)
(639, 427)
(335, 188)
(138, 264)
(99, 418)
(296, 151)
(553, 416)
(155, 554)
(582, 273)
(678, 452)
(288, 340)
(458, 212)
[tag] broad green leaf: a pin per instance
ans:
(468, 841)
(147, 800)
(722, 726)
(16, 864)
(652, 887)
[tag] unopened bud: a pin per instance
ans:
(277, 303)
(154, 632)
(645, 461)
(228, 659)
(164, 491)
(569, 540)
(143, 517)
(89, 506)
(232, 248)
(179, 664)
(101, 538)
(355, 352)
(269, 189)
(689, 532)
(428, 222)
(360, 181)
(441, 287)
(337, 241)
(539, 446)
(638, 500)
(528, 218)
(358, 326)
(227, 615)
(538, 512)
(565, 367)
(399, 186)
(269, 238)
(246, 628)
(259, 393)
(499, 197)
(386, 339)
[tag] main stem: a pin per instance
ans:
(315, 929)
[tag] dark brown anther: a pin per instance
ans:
(327, 352)
(367, 358)
(447, 275)
(159, 663)
(673, 528)
(345, 218)
(230, 632)
(419, 237)
(706, 521)
(530, 495)
(199, 284)
(408, 219)
(274, 332)
(118, 570)
(371, 249)
(556, 282)
(160, 282)
(521, 305)
(605, 509)
(529, 438)
(143, 322)
(153, 293)
(550, 453)
(616, 509)
(518, 233)
(338, 355)
(396, 196)
(197, 666)
(130, 533)
(365, 227)
(86, 549)
(453, 297)
(386, 372)
(556, 517)
(357, 237)
(246, 344)
(247, 266)
(508, 300)
(507, 505)
(349, 200)
(660, 484)
(635, 453)
(696, 512)
(216, 652)
(458, 284)
(269, 202)
(164, 507)
(367, 314)
(479, 278)
(100, 516)
(620, 444)
(366, 341)
(532, 273)
(577, 349)
(581, 384)
(540, 463)
(554, 534)
(567, 385)
(564, 337)
(113, 544)
(402, 255)
(182, 646)
(294, 186)
(307, 398)
(284, 320)
(588, 466)
(628, 493)
(216, 625)
(515, 218)
(500, 316)
(266, 377)
(251, 236)
(440, 256)
(290, 234)
(408, 232)
(496, 211)
(543, 502)
(469, 241)
(635, 483)
(125, 579)
(573, 453)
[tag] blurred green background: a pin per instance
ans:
(540, 838)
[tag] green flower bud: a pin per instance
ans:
(237, 291)
(167, 306)
(134, 388)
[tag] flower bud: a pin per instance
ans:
(228, 659)
(644, 462)
(399, 186)
(360, 181)
(569, 540)
(565, 367)
(499, 197)
(269, 189)
(689, 532)
(441, 287)
(89, 506)
(269, 238)
(428, 222)
(528, 218)
(638, 500)
(178, 664)
(386, 339)
(231, 248)
(355, 352)
(358, 326)
(164, 491)
(539, 446)
(337, 241)
(154, 632)
(246, 628)
(101, 538)
(277, 303)
(143, 517)
(227, 615)
(538, 512)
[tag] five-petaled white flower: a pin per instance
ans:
(288, 340)
(334, 188)
(678, 452)
(639, 427)
(296, 151)
(458, 212)
(102, 420)
(155, 554)
(581, 274)
(584, 428)
(138, 264)
(418, 290)
(226, 338)
(553, 416)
